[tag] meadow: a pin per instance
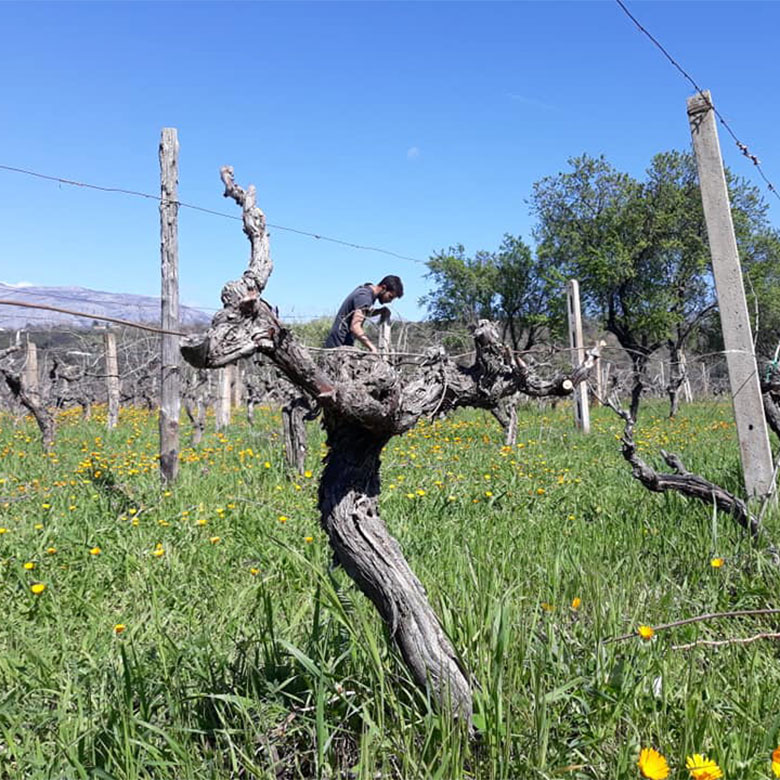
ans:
(201, 631)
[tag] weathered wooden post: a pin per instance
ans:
(737, 337)
(384, 344)
(222, 416)
(237, 384)
(580, 395)
(170, 401)
(30, 374)
(112, 378)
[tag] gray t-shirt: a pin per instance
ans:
(340, 334)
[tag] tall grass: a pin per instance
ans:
(246, 654)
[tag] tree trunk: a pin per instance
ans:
(638, 363)
(348, 499)
(506, 414)
(293, 416)
(676, 379)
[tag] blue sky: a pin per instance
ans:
(408, 126)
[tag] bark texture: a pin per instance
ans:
(30, 400)
(365, 401)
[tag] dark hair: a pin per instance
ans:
(394, 285)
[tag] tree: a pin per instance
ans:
(640, 251)
(365, 401)
(509, 286)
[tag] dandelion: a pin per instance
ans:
(540, 491)
(37, 588)
(308, 539)
(308, 474)
(3, 530)
(702, 768)
(30, 565)
(576, 603)
(254, 571)
(95, 551)
(119, 628)
(646, 632)
(282, 518)
(51, 550)
(38, 526)
(158, 551)
(488, 494)
(716, 563)
(652, 764)
(215, 539)
(776, 762)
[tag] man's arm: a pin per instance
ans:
(356, 327)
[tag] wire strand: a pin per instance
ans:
(213, 212)
(741, 146)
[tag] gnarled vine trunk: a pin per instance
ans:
(348, 498)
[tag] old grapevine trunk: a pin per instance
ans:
(365, 402)
(349, 493)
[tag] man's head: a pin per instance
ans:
(391, 287)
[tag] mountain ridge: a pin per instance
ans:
(143, 309)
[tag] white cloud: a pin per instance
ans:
(413, 152)
(18, 284)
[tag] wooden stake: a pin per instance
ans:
(170, 401)
(112, 378)
(30, 376)
(580, 395)
(223, 398)
(737, 337)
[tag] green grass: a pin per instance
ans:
(247, 656)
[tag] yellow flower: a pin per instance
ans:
(702, 768)
(30, 565)
(214, 539)
(51, 550)
(576, 602)
(308, 539)
(95, 551)
(119, 628)
(547, 607)
(540, 491)
(488, 494)
(38, 526)
(652, 764)
(254, 572)
(3, 530)
(716, 563)
(776, 762)
(646, 632)
(38, 588)
(282, 518)
(307, 474)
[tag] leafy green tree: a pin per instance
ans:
(639, 250)
(508, 286)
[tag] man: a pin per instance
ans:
(348, 324)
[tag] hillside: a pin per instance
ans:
(136, 308)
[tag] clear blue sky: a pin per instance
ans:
(403, 125)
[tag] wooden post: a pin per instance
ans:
(581, 410)
(237, 384)
(384, 344)
(30, 376)
(112, 378)
(223, 399)
(686, 386)
(737, 337)
(170, 401)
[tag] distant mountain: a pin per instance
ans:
(135, 308)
